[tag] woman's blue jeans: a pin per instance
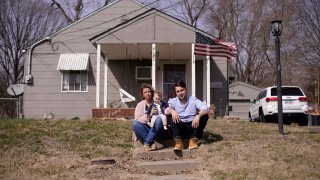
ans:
(146, 133)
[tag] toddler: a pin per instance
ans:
(158, 107)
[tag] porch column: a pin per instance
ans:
(98, 76)
(193, 72)
(105, 83)
(207, 75)
(153, 68)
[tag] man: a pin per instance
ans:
(189, 117)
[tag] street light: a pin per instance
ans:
(276, 31)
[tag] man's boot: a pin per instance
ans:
(193, 143)
(179, 145)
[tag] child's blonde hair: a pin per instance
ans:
(158, 92)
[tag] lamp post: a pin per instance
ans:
(276, 31)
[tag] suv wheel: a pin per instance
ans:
(303, 121)
(262, 117)
(250, 118)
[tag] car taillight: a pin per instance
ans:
(303, 99)
(269, 99)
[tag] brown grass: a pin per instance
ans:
(258, 151)
(63, 149)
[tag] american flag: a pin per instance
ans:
(205, 46)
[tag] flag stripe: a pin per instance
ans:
(212, 49)
(206, 46)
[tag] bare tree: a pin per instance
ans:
(309, 22)
(189, 11)
(76, 9)
(244, 23)
(247, 23)
(21, 23)
(309, 43)
(194, 9)
(70, 15)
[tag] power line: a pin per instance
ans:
(165, 9)
(79, 30)
(143, 17)
(98, 32)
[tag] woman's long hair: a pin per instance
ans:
(143, 86)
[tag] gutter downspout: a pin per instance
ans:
(29, 78)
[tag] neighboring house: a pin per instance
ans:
(240, 94)
(112, 51)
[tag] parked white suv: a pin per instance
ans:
(294, 105)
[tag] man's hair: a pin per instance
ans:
(143, 86)
(180, 84)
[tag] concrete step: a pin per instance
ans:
(181, 177)
(200, 174)
(172, 166)
(165, 152)
(160, 144)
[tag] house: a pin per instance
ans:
(240, 95)
(98, 63)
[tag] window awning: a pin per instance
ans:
(73, 62)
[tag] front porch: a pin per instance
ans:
(164, 68)
(159, 42)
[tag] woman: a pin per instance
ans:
(139, 125)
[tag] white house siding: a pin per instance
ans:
(240, 94)
(199, 80)
(45, 95)
(219, 77)
(240, 109)
(122, 75)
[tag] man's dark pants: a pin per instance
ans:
(184, 130)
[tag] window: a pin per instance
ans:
(261, 95)
(143, 73)
(74, 81)
(287, 91)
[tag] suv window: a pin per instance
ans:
(287, 91)
(264, 94)
(258, 97)
(261, 95)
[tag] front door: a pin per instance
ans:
(171, 74)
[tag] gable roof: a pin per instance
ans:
(243, 84)
(98, 11)
(242, 91)
(144, 25)
(83, 30)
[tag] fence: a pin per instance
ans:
(10, 107)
